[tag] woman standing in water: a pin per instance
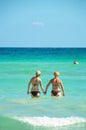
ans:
(56, 85)
(35, 81)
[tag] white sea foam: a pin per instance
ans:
(51, 122)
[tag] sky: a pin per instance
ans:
(42, 23)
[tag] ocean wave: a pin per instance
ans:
(51, 122)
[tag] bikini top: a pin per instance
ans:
(36, 82)
(56, 84)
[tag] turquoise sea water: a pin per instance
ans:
(19, 111)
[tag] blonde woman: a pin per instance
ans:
(35, 81)
(57, 85)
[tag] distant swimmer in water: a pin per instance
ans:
(56, 85)
(35, 81)
(76, 62)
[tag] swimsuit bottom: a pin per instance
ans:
(55, 92)
(34, 93)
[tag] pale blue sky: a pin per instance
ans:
(42, 23)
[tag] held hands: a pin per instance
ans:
(28, 92)
(44, 92)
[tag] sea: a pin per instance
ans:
(18, 111)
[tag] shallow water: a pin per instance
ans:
(19, 111)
